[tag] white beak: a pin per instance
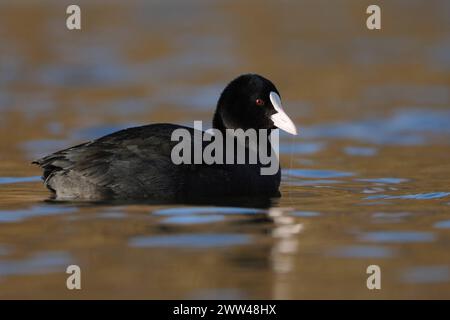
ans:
(281, 119)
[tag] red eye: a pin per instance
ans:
(260, 102)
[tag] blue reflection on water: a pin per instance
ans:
(302, 147)
(397, 236)
(42, 147)
(312, 173)
(44, 262)
(198, 97)
(419, 196)
(96, 72)
(360, 151)
(35, 211)
(405, 127)
(98, 131)
(390, 217)
(10, 180)
(362, 252)
(384, 180)
(426, 274)
(193, 219)
(305, 214)
(442, 224)
(313, 182)
(191, 240)
(206, 210)
(39, 148)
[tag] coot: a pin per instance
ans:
(136, 163)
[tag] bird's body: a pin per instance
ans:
(136, 163)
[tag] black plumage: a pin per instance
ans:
(136, 163)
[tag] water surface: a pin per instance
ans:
(366, 182)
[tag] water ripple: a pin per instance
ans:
(302, 148)
(384, 180)
(311, 173)
(10, 180)
(207, 210)
(313, 182)
(362, 252)
(426, 274)
(405, 127)
(360, 151)
(419, 196)
(397, 236)
(7, 216)
(442, 224)
(305, 214)
(193, 219)
(44, 262)
(198, 241)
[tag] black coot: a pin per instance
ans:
(136, 163)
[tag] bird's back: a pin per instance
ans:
(136, 163)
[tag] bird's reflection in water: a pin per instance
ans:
(285, 234)
(277, 255)
(256, 202)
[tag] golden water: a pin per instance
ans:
(366, 182)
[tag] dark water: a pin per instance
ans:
(366, 182)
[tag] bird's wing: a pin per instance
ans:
(125, 162)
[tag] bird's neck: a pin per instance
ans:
(218, 122)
